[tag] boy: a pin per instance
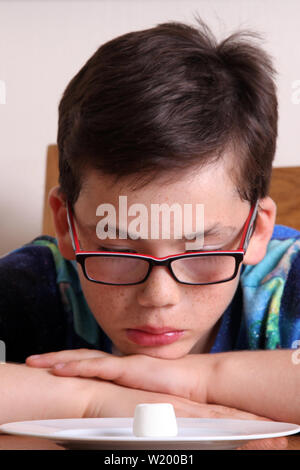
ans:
(161, 116)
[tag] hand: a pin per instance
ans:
(49, 359)
(178, 377)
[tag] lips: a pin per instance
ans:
(150, 336)
(156, 331)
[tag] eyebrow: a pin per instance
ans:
(215, 229)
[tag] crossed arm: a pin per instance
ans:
(242, 385)
(265, 383)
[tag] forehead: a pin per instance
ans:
(211, 186)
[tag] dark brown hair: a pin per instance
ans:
(170, 98)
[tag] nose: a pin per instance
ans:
(159, 290)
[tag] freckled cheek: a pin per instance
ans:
(210, 302)
(106, 302)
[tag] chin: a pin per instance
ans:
(160, 352)
(167, 355)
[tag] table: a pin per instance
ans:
(10, 442)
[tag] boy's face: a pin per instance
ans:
(161, 301)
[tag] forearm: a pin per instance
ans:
(266, 383)
(27, 393)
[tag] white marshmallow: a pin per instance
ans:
(154, 420)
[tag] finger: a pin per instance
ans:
(277, 443)
(107, 368)
(224, 412)
(131, 371)
(49, 359)
(191, 409)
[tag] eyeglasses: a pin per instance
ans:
(196, 268)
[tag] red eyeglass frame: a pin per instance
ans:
(238, 254)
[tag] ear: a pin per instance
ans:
(57, 203)
(262, 234)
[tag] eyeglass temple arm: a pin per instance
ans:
(248, 230)
(71, 227)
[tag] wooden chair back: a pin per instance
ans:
(51, 180)
(285, 191)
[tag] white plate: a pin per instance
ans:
(116, 433)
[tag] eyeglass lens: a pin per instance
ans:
(126, 270)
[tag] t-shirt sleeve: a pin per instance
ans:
(32, 318)
(289, 318)
(271, 294)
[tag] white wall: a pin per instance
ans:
(44, 43)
